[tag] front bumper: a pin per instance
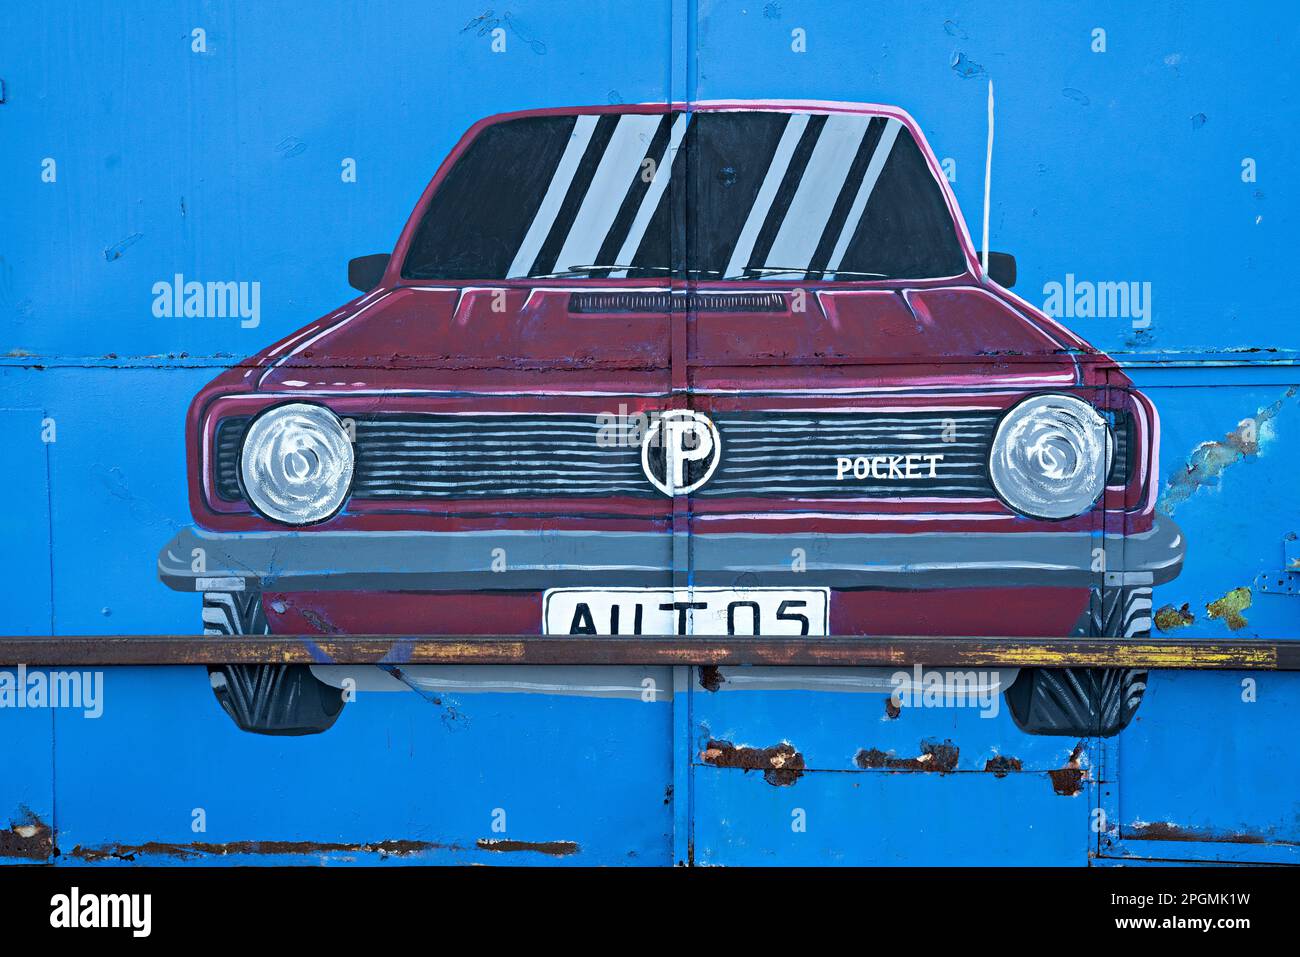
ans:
(196, 560)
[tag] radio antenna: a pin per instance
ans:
(988, 181)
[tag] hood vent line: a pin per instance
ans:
(627, 302)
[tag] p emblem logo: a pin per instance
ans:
(680, 451)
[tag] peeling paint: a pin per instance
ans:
(1169, 618)
(554, 848)
(1229, 608)
(116, 249)
(711, 678)
(781, 765)
(934, 756)
(1068, 781)
(965, 67)
(1209, 459)
(28, 838)
(196, 850)
(320, 621)
(486, 22)
(1001, 765)
(1168, 831)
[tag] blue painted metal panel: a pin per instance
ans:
(400, 779)
(887, 819)
(1122, 166)
(26, 531)
(1195, 772)
(1234, 493)
(979, 729)
(27, 786)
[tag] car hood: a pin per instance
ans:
(623, 339)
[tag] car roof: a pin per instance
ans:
(719, 106)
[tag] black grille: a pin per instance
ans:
(776, 454)
(622, 302)
(793, 454)
(1121, 465)
(489, 456)
(230, 435)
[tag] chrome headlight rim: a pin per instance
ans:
(1055, 510)
(331, 427)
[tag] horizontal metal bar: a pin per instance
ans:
(650, 650)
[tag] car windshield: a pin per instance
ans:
(766, 195)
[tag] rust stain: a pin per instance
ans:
(185, 852)
(564, 650)
(711, 678)
(554, 848)
(1001, 765)
(933, 757)
(320, 622)
(28, 838)
(1156, 654)
(892, 708)
(1169, 618)
(1068, 781)
(455, 652)
(1230, 608)
(1162, 831)
(1209, 459)
(781, 765)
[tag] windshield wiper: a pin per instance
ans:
(748, 273)
(587, 270)
(805, 271)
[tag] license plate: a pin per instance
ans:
(686, 611)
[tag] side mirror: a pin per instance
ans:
(1002, 269)
(365, 272)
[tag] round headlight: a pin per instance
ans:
(1050, 456)
(296, 463)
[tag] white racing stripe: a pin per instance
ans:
(819, 187)
(620, 163)
(546, 213)
(650, 201)
(794, 128)
(865, 190)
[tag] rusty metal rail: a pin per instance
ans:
(1255, 655)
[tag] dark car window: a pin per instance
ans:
(710, 195)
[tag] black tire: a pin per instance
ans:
(1087, 702)
(265, 699)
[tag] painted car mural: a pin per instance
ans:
(732, 370)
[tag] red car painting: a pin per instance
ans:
(727, 369)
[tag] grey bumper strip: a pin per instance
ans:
(530, 560)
